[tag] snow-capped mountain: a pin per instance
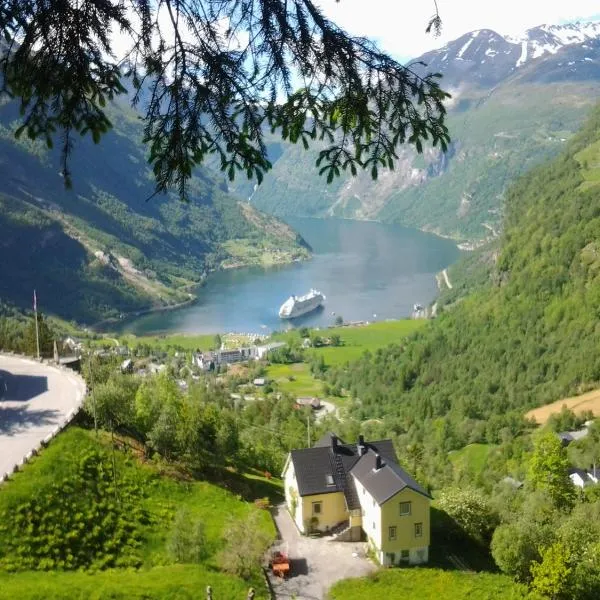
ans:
(485, 57)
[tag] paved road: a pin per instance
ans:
(316, 563)
(35, 402)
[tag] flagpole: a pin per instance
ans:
(37, 333)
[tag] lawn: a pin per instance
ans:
(302, 383)
(356, 340)
(164, 342)
(227, 496)
(471, 458)
(173, 582)
(428, 584)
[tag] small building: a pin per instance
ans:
(582, 478)
(73, 344)
(260, 381)
(566, 437)
(260, 352)
(72, 362)
(359, 491)
(314, 403)
(127, 366)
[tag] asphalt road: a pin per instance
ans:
(36, 400)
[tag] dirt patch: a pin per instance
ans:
(578, 404)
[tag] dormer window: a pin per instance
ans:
(329, 479)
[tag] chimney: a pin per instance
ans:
(361, 447)
(378, 462)
(334, 442)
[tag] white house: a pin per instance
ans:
(583, 477)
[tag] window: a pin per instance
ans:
(392, 532)
(373, 525)
(329, 479)
(390, 558)
(317, 506)
(405, 508)
(405, 555)
(418, 529)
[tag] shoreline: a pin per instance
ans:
(189, 302)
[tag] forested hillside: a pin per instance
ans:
(106, 246)
(528, 334)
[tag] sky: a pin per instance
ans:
(399, 25)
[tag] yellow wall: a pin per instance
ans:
(405, 525)
(377, 519)
(333, 505)
(333, 509)
(291, 489)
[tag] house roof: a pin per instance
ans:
(580, 472)
(385, 482)
(332, 459)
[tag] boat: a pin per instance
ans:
(296, 306)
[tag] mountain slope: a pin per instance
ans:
(515, 103)
(103, 248)
(527, 337)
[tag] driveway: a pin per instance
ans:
(36, 401)
(316, 563)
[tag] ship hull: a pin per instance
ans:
(294, 307)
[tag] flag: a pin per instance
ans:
(34, 301)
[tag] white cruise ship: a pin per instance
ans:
(295, 306)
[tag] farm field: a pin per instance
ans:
(578, 404)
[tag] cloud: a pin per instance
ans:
(399, 25)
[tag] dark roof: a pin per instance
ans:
(330, 456)
(583, 474)
(326, 440)
(385, 482)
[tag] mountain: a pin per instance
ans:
(515, 102)
(106, 247)
(525, 335)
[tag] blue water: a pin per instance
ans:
(367, 271)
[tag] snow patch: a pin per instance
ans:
(523, 56)
(491, 52)
(464, 48)
(588, 59)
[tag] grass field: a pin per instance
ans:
(428, 584)
(296, 378)
(302, 382)
(578, 404)
(162, 496)
(471, 458)
(173, 582)
(164, 342)
(357, 340)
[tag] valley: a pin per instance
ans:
(500, 129)
(207, 448)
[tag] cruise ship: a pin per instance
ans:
(295, 306)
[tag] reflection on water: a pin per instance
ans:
(366, 270)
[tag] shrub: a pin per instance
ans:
(187, 542)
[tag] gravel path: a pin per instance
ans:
(36, 401)
(316, 563)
